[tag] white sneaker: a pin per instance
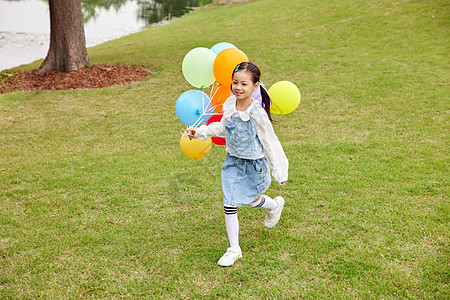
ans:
(272, 218)
(230, 257)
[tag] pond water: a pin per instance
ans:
(25, 24)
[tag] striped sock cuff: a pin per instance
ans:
(261, 201)
(230, 210)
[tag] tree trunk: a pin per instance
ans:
(67, 50)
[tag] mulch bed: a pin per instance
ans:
(95, 76)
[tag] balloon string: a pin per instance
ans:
(215, 92)
(203, 100)
(206, 109)
(215, 106)
(200, 121)
(208, 112)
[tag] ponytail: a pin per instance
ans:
(265, 97)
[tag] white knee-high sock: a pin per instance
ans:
(232, 224)
(265, 202)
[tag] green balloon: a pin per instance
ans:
(198, 67)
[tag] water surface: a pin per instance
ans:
(25, 24)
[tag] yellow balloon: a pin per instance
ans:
(285, 97)
(195, 148)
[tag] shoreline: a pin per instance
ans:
(23, 44)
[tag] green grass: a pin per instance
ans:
(98, 201)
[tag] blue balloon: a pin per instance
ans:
(219, 47)
(193, 106)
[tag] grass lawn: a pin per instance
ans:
(98, 201)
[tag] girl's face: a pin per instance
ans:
(243, 85)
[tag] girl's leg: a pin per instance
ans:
(232, 224)
(234, 251)
(265, 202)
(273, 206)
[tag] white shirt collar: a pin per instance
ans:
(229, 109)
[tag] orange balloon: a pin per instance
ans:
(219, 94)
(225, 63)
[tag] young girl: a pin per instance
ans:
(252, 150)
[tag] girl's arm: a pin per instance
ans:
(204, 132)
(272, 147)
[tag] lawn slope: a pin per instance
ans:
(98, 201)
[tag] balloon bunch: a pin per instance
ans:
(202, 68)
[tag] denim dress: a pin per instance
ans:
(245, 172)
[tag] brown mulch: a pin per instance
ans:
(95, 76)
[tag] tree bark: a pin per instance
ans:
(67, 51)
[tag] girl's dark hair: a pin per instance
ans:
(256, 73)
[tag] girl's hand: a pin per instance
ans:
(190, 132)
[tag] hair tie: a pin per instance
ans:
(237, 68)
